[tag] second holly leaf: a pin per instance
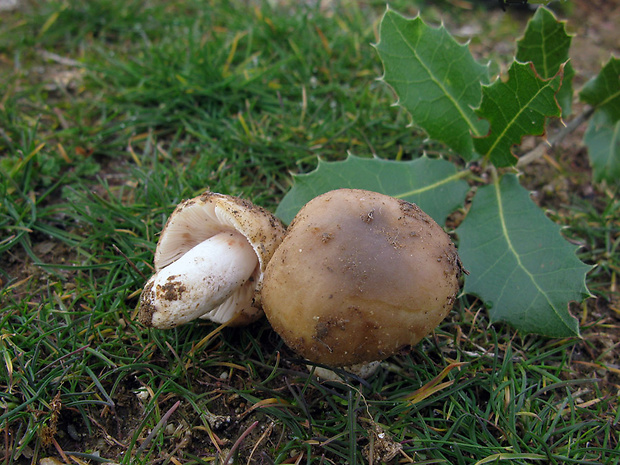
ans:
(517, 107)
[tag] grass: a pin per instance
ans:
(111, 113)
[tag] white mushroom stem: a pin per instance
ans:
(363, 370)
(200, 280)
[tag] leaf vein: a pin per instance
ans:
(437, 82)
(511, 246)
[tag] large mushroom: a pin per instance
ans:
(359, 276)
(209, 263)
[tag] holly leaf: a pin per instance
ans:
(518, 262)
(603, 91)
(516, 108)
(603, 141)
(565, 94)
(603, 134)
(433, 184)
(435, 78)
(546, 44)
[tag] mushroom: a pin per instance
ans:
(358, 277)
(209, 263)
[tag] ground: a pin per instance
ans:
(247, 400)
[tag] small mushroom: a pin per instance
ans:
(209, 263)
(359, 276)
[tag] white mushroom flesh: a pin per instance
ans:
(201, 280)
(191, 223)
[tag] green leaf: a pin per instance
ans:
(603, 91)
(565, 94)
(603, 141)
(435, 78)
(518, 262)
(546, 44)
(516, 108)
(434, 185)
(603, 134)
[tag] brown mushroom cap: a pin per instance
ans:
(176, 299)
(358, 277)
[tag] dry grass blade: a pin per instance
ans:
(160, 424)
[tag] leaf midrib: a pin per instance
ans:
(452, 100)
(429, 187)
(513, 250)
(502, 135)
